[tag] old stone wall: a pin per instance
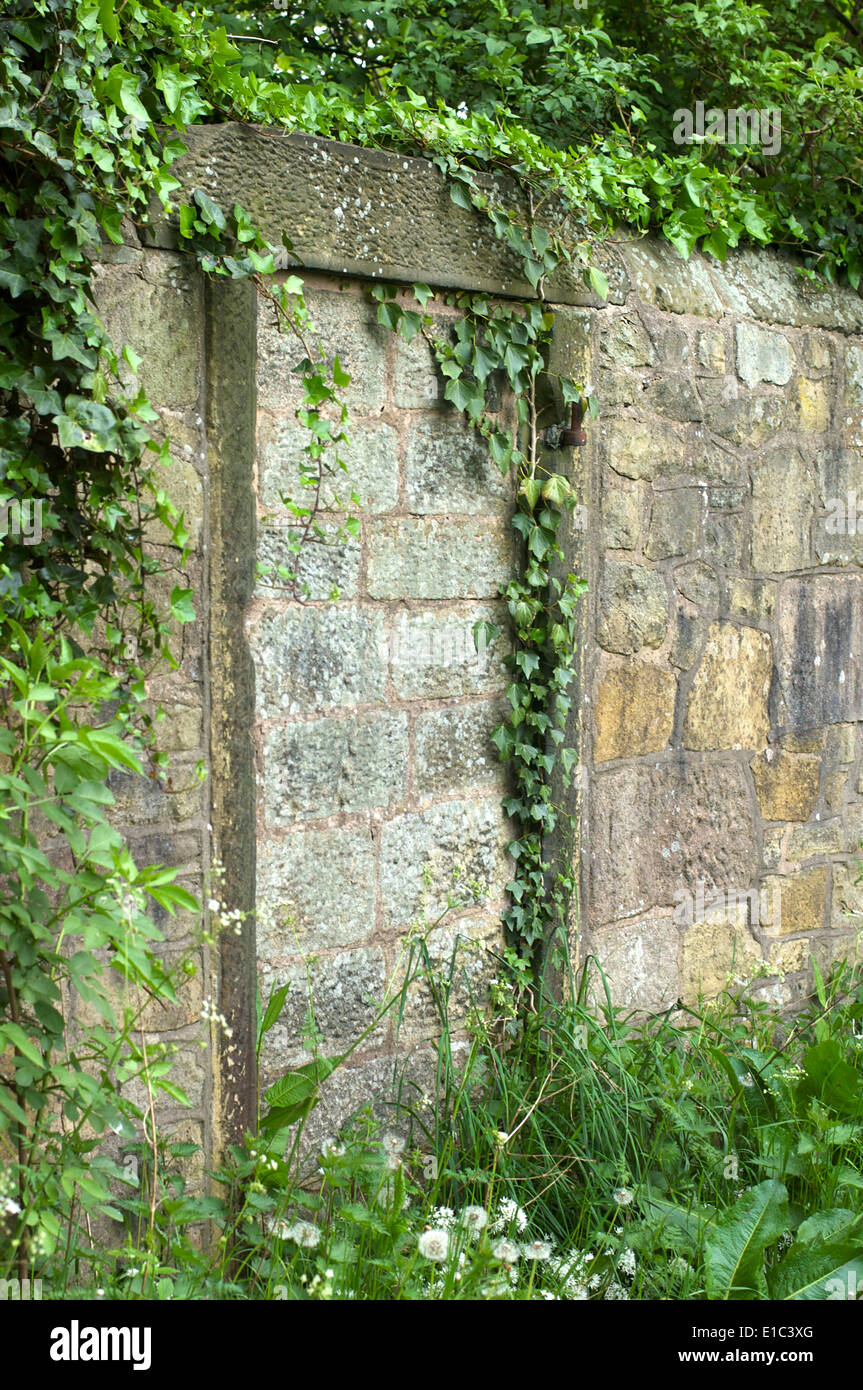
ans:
(725, 653)
(353, 790)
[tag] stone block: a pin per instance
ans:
(655, 829)
(344, 323)
(752, 598)
(816, 838)
(316, 891)
(801, 900)
(697, 582)
(436, 559)
(624, 339)
(327, 567)
(782, 507)
(713, 955)
(662, 277)
(762, 355)
(325, 766)
(448, 469)
(345, 991)
(786, 785)
(434, 654)
(632, 608)
(621, 519)
(727, 705)
(711, 351)
(639, 961)
(819, 667)
(847, 906)
(638, 450)
(315, 658)
(370, 456)
(453, 748)
(428, 856)
(674, 523)
(634, 711)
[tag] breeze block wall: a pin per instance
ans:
(353, 787)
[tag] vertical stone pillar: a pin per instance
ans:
(231, 313)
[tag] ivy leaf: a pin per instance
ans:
(181, 605)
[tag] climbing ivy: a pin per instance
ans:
(576, 108)
(490, 340)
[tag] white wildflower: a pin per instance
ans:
(508, 1212)
(433, 1245)
(473, 1219)
(626, 1263)
(537, 1250)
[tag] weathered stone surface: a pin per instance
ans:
(426, 856)
(371, 468)
(841, 746)
(854, 826)
(813, 406)
(831, 548)
(847, 897)
(639, 961)
(638, 450)
(711, 351)
(726, 539)
(819, 661)
(740, 417)
(449, 469)
(697, 582)
(156, 307)
(728, 701)
(626, 342)
(360, 211)
(345, 323)
(786, 785)
(687, 640)
(674, 523)
(435, 559)
(632, 608)
(312, 658)
(634, 711)
(834, 789)
(788, 956)
(771, 847)
(316, 891)
(752, 598)
(782, 503)
(346, 992)
(801, 900)
(767, 285)
(853, 375)
(807, 841)
(762, 355)
(673, 398)
(317, 768)
(713, 954)
(454, 748)
(654, 830)
(461, 953)
(328, 568)
(434, 652)
(417, 382)
(621, 519)
(838, 946)
(662, 277)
